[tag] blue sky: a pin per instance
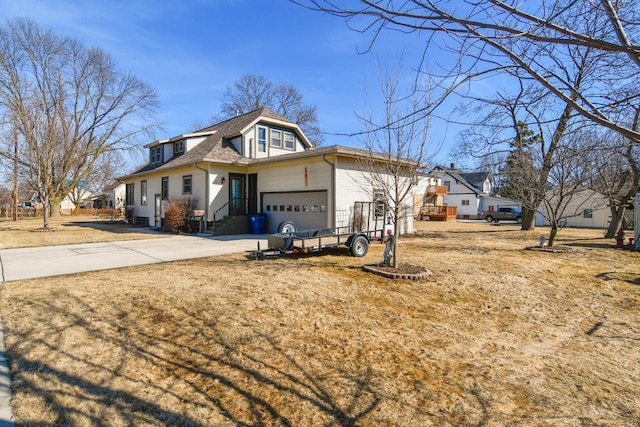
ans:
(190, 51)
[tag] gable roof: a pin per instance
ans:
(216, 146)
(466, 179)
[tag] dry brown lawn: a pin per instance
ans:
(26, 232)
(499, 335)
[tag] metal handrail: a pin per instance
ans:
(225, 209)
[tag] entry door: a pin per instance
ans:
(237, 195)
(157, 211)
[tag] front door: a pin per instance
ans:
(237, 195)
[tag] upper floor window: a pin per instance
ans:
(178, 147)
(276, 138)
(447, 184)
(262, 140)
(289, 141)
(156, 154)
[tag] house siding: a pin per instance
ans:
(574, 211)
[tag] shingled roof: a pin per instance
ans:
(216, 146)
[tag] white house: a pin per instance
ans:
(79, 195)
(255, 163)
(585, 209)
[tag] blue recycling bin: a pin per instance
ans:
(262, 224)
(254, 221)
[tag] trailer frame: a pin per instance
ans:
(357, 236)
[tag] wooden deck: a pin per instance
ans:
(438, 213)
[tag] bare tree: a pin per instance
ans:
(569, 194)
(70, 106)
(513, 39)
(253, 91)
(616, 164)
(396, 148)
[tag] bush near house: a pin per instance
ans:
(176, 216)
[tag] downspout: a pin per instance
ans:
(333, 190)
(206, 192)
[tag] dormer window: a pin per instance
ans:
(289, 141)
(276, 138)
(178, 147)
(156, 154)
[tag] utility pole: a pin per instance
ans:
(14, 210)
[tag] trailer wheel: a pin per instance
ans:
(359, 246)
(287, 227)
(489, 218)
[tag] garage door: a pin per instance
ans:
(307, 209)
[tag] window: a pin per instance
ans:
(465, 203)
(156, 154)
(289, 141)
(178, 147)
(129, 194)
(262, 140)
(143, 192)
(186, 184)
(276, 138)
(447, 184)
(588, 213)
(379, 203)
(165, 188)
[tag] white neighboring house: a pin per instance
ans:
(82, 196)
(586, 209)
(255, 163)
(115, 194)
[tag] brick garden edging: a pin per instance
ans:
(391, 273)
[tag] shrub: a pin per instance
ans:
(176, 216)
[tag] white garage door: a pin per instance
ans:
(307, 209)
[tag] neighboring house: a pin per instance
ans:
(465, 191)
(429, 199)
(255, 163)
(83, 197)
(585, 209)
(114, 196)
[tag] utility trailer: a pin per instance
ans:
(367, 224)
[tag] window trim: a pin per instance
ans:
(143, 192)
(273, 138)
(129, 194)
(164, 188)
(587, 214)
(184, 184)
(178, 147)
(292, 141)
(155, 155)
(262, 142)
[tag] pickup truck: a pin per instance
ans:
(503, 214)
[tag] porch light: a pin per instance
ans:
(223, 180)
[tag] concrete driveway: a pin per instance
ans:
(29, 263)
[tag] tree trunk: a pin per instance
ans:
(617, 214)
(45, 212)
(552, 233)
(528, 219)
(55, 208)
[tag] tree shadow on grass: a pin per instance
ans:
(632, 278)
(238, 374)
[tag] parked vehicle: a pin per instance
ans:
(507, 213)
(367, 225)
